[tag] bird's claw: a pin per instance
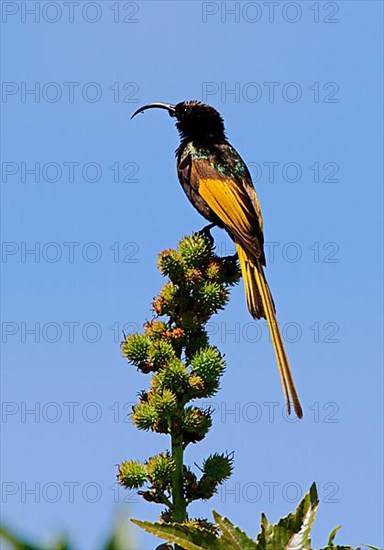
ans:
(232, 258)
(206, 232)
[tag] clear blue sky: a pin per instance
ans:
(305, 101)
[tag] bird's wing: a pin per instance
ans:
(234, 202)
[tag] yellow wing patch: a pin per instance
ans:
(234, 203)
(233, 207)
(256, 204)
(227, 202)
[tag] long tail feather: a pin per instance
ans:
(260, 304)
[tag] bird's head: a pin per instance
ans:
(194, 120)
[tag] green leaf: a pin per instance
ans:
(190, 538)
(18, 543)
(293, 531)
(233, 535)
(15, 540)
(331, 538)
(332, 535)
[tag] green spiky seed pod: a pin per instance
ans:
(160, 469)
(196, 423)
(161, 353)
(195, 251)
(218, 467)
(135, 348)
(168, 300)
(169, 293)
(211, 297)
(175, 377)
(170, 265)
(132, 474)
(164, 403)
(209, 366)
(145, 416)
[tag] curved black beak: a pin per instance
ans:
(170, 108)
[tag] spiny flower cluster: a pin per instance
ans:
(198, 283)
(174, 348)
(216, 469)
(157, 474)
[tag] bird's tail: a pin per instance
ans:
(260, 304)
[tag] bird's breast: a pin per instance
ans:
(190, 183)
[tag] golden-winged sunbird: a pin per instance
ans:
(218, 183)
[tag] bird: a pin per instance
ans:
(219, 185)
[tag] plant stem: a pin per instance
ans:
(179, 502)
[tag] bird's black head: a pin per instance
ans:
(195, 121)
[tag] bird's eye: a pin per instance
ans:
(183, 110)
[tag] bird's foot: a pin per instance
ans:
(231, 268)
(206, 232)
(232, 258)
